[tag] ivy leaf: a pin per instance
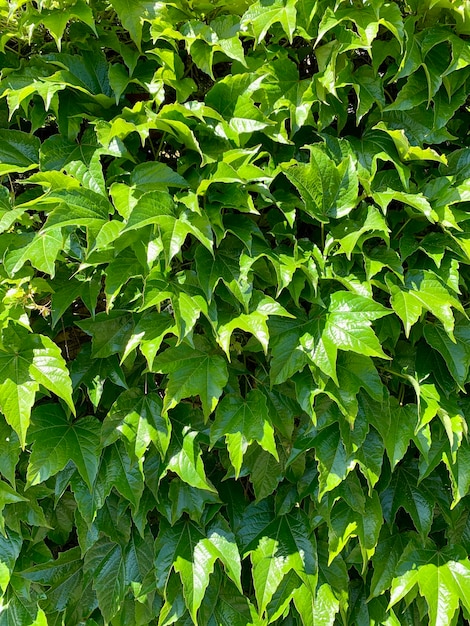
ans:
(78, 207)
(10, 445)
(345, 523)
(41, 251)
(385, 560)
(183, 498)
(397, 429)
(10, 547)
(80, 159)
(19, 151)
(348, 323)
(119, 470)
(456, 354)
(8, 496)
(193, 553)
(334, 464)
(137, 417)
(223, 266)
(403, 303)
(403, 492)
(287, 354)
(234, 608)
(243, 421)
(277, 547)
(265, 471)
(184, 458)
(263, 14)
(346, 326)
(56, 441)
(198, 371)
(442, 578)
(369, 90)
(105, 564)
(110, 332)
(318, 610)
(254, 322)
(130, 16)
(154, 176)
(426, 287)
(148, 333)
(62, 577)
(27, 361)
(326, 189)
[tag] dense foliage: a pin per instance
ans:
(234, 339)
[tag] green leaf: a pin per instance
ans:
(458, 466)
(119, 470)
(62, 577)
(56, 441)
(348, 323)
(198, 371)
(80, 160)
(78, 207)
(369, 90)
(105, 565)
(183, 498)
(137, 418)
(184, 458)
(277, 547)
(19, 152)
(406, 151)
(265, 471)
(11, 446)
(456, 354)
(318, 610)
(263, 14)
(41, 251)
(403, 303)
(130, 15)
(8, 496)
(233, 608)
(426, 287)
(154, 176)
(442, 578)
(148, 333)
(387, 555)
(254, 322)
(345, 523)
(326, 189)
(157, 207)
(27, 361)
(287, 354)
(346, 326)
(193, 553)
(110, 332)
(243, 421)
(10, 546)
(223, 266)
(334, 464)
(404, 492)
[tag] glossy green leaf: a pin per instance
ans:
(198, 371)
(57, 441)
(404, 492)
(26, 362)
(442, 579)
(19, 151)
(326, 189)
(242, 422)
(184, 458)
(137, 418)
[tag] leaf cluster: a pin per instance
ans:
(234, 334)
